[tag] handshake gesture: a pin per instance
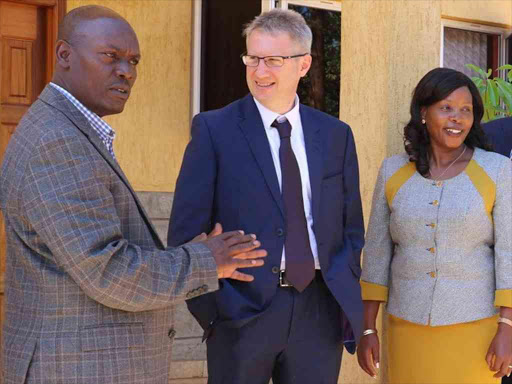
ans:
(231, 251)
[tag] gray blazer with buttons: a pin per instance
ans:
(444, 250)
(89, 285)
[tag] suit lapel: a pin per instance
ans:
(254, 132)
(53, 97)
(313, 143)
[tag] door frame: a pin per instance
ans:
(55, 11)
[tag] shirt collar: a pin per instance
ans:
(105, 131)
(268, 116)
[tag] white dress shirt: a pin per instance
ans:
(299, 149)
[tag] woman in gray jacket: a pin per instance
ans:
(439, 245)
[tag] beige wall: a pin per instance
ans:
(490, 11)
(154, 129)
(387, 46)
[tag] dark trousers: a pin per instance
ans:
(297, 340)
(506, 380)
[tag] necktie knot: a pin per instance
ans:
(284, 128)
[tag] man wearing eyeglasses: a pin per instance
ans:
(288, 173)
(500, 134)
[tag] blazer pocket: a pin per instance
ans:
(111, 336)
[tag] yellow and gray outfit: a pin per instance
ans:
(440, 255)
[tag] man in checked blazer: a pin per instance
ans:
(89, 284)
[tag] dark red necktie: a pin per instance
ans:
(300, 265)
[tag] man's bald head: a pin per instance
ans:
(97, 55)
(70, 25)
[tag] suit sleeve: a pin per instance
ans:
(379, 245)
(192, 208)
(67, 202)
(502, 214)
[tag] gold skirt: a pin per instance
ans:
(451, 354)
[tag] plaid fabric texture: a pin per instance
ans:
(89, 285)
(105, 131)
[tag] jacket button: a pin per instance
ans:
(280, 232)
(171, 333)
(275, 269)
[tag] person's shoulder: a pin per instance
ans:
(482, 156)
(491, 162)
(44, 123)
(393, 164)
(227, 112)
(498, 123)
(494, 129)
(325, 120)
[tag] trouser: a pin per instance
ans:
(297, 340)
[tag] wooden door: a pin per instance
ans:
(28, 31)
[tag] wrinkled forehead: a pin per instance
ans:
(106, 31)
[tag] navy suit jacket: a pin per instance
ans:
(228, 176)
(499, 133)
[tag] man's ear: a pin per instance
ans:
(62, 52)
(305, 65)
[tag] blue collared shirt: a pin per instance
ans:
(104, 131)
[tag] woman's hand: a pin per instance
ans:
(368, 354)
(368, 348)
(499, 355)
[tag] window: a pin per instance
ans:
(320, 89)
(468, 43)
(218, 74)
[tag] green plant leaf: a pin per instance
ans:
(506, 66)
(505, 91)
(477, 69)
(493, 93)
(479, 83)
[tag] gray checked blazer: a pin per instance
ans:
(89, 285)
(440, 252)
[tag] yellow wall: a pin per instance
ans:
(487, 11)
(154, 128)
(387, 46)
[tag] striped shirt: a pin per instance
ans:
(104, 131)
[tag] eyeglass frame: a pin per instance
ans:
(265, 57)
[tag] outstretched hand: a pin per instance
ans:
(233, 250)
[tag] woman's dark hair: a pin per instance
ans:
(435, 86)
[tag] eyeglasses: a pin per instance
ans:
(270, 61)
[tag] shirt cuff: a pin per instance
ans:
(503, 298)
(371, 291)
